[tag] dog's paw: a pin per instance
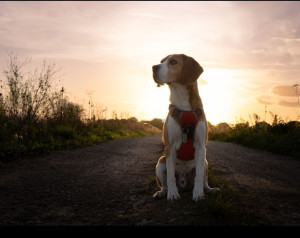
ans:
(215, 190)
(160, 194)
(198, 194)
(173, 193)
(211, 190)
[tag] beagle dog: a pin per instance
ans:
(185, 145)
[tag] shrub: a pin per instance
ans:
(280, 137)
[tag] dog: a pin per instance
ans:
(185, 130)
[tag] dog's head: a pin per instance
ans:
(177, 68)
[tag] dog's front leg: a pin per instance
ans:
(171, 179)
(200, 154)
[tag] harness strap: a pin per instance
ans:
(177, 113)
(187, 121)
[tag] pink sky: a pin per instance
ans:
(250, 52)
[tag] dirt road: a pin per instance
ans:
(112, 184)
(267, 183)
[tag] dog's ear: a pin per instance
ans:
(191, 70)
(164, 59)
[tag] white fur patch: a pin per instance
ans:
(162, 73)
(179, 96)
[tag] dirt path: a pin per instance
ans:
(112, 184)
(267, 183)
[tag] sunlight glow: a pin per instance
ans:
(219, 95)
(110, 47)
(153, 103)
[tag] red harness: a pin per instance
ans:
(188, 121)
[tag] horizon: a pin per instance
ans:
(250, 52)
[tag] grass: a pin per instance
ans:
(223, 208)
(20, 138)
(280, 137)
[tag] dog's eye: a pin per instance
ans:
(173, 62)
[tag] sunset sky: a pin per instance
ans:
(250, 52)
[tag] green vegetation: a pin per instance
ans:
(279, 137)
(35, 118)
(156, 122)
(25, 138)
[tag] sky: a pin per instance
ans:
(250, 52)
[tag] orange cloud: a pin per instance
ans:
(288, 104)
(264, 100)
(286, 91)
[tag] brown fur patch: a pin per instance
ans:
(190, 72)
(195, 101)
(194, 98)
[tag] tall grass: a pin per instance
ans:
(279, 136)
(35, 118)
(23, 138)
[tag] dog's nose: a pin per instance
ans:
(155, 67)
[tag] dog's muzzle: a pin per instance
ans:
(155, 69)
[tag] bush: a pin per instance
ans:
(280, 137)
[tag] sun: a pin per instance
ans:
(218, 98)
(217, 108)
(153, 102)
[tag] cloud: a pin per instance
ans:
(265, 100)
(287, 40)
(144, 14)
(288, 104)
(286, 91)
